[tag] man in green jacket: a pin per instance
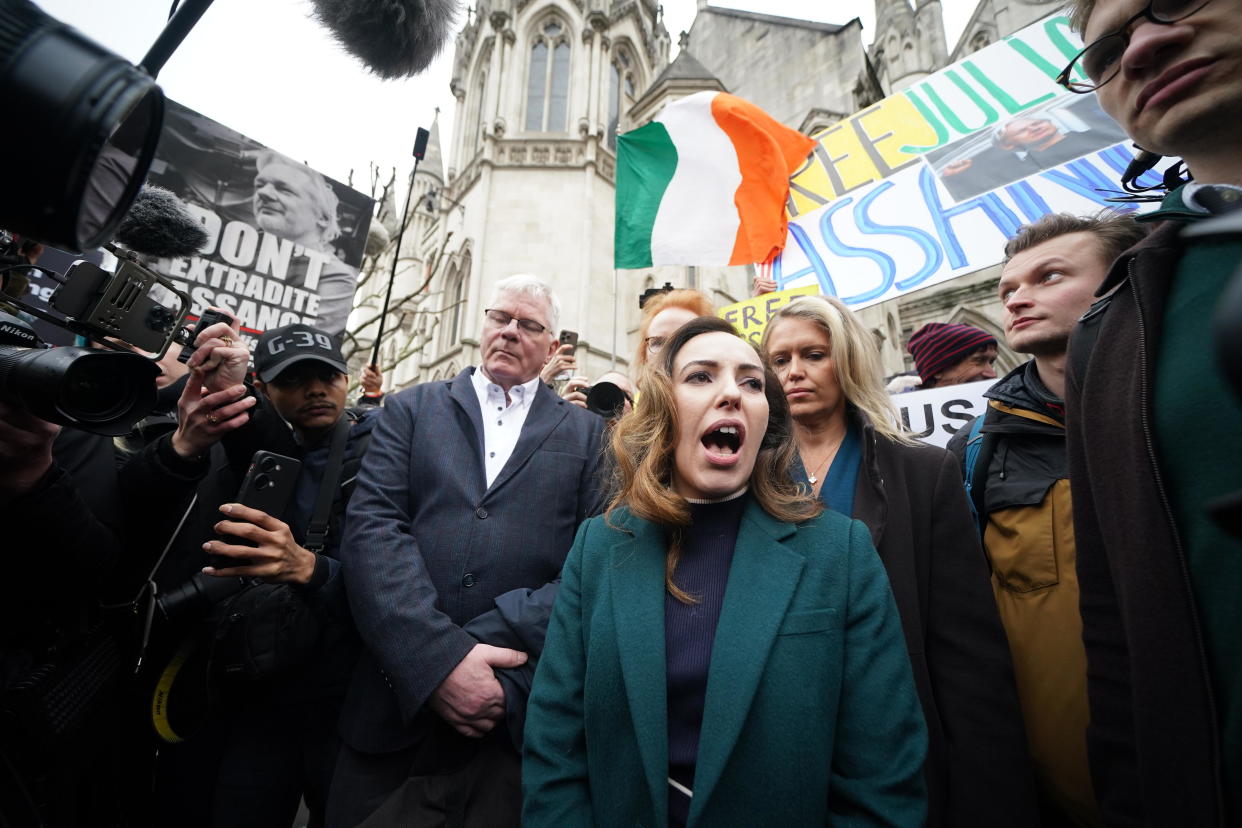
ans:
(1155, 430)
(1014, 462)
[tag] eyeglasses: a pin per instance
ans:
(655, 343)
(501, 320)
(1101, 60)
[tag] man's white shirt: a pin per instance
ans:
(502, 421)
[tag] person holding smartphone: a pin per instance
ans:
(562, 362)
(271, 741)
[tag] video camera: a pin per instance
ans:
(90, 125)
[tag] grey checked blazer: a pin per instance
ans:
(428, 545)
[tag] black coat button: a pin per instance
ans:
(480, 513)
(468, 580)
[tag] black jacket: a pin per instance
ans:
(912, 500)
(215, 481)
(1029, 450)
(1021, 485)
(1153, 737)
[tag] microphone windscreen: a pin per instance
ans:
(394, 38)
(160, 225)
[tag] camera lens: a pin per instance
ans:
(606, 399)
(104, 392)
(267, 464)
(88, 396)
(261, 482)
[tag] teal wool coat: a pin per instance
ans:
(811, 716)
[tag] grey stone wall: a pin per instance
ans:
(786, 68)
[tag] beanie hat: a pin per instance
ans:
(940, 345)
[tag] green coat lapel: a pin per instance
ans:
(762, 579)
(637, 576)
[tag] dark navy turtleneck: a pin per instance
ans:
(689, 630)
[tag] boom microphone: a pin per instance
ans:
(393, 38)
(159, 225)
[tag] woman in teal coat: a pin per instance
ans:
(722, 652)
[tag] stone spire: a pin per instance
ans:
(890, 12)
(433, 161)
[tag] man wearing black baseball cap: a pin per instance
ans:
(275, 741)
(303, 375)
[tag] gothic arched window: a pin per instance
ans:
(547, 85)
(621, 77)
(455, 302)
(474, 122)
(980, 40)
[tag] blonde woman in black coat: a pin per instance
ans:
(858, 461)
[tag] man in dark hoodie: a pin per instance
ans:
(1015, 467)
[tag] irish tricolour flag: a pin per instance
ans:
(705, 183)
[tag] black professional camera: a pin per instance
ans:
(199, 593)
(103, 391)
(90, 125)
(606, 399)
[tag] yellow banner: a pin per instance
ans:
(867, 147)
(751, 316)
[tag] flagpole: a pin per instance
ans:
(616, 305)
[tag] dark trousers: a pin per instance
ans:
(446, 780)
(250, 769)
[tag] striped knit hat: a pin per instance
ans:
(940, 345)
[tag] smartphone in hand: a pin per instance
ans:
(569, 338)
(268, 486)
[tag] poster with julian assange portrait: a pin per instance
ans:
(284, 241)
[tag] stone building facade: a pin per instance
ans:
(525, 184)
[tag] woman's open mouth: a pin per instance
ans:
(723, 443)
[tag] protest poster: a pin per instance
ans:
(750, 316)
(929, 183)
(934, 415)
(284, 241)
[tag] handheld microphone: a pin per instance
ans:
(159, 225)
(393, 38)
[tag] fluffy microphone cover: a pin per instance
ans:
(159, 225)
(394, 38)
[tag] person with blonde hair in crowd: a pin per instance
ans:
(723, 651)
(857, 460)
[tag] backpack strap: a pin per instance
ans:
(317, 532)
(979, 450)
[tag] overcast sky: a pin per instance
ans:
(263, 68)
